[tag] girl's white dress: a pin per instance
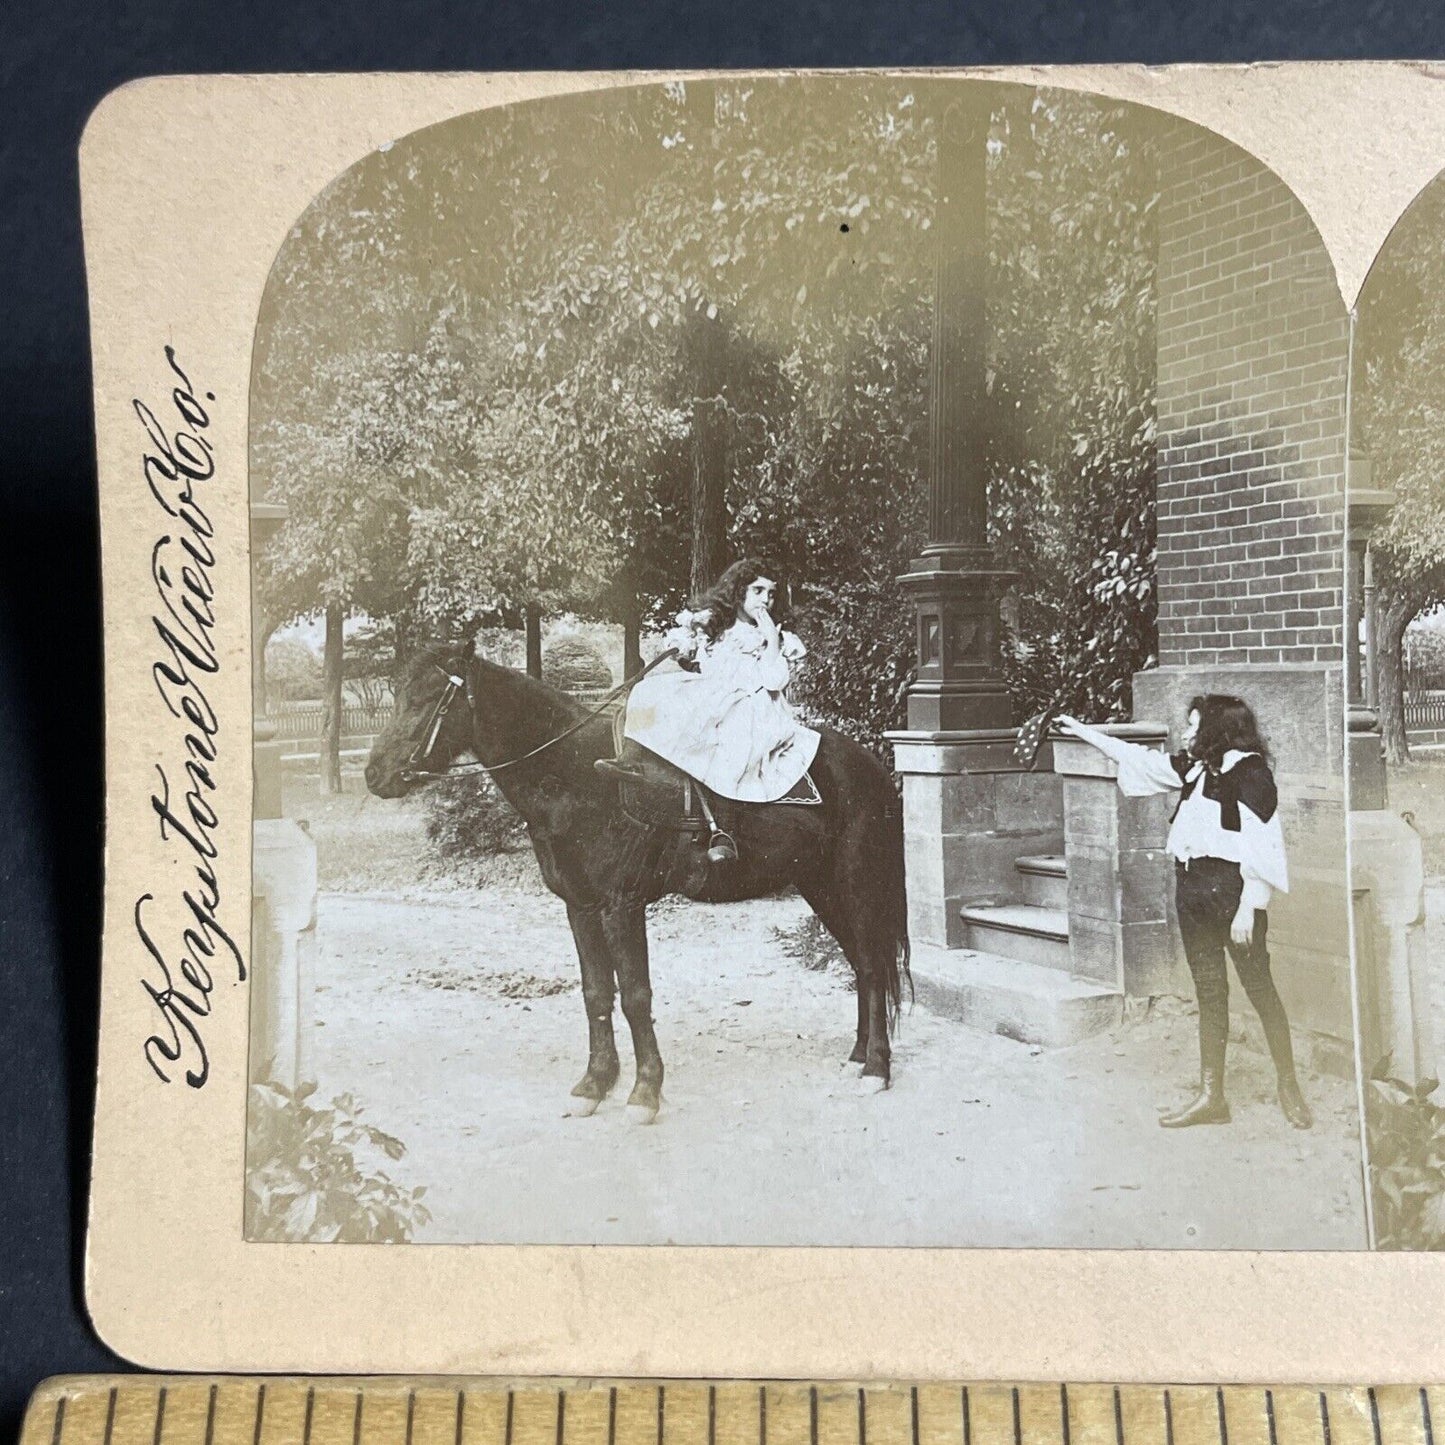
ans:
(728, 724)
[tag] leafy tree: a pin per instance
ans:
(1399, 424)
(1072, 297)
(483, 405)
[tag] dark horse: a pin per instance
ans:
(845, 855)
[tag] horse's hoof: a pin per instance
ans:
(641, 1114)
(578, 1108)
(871, 1084)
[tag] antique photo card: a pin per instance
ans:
(763, 721)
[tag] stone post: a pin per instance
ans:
(266, 521)
(1121, 881)
(1402, 1004)
(283, 954)
(283, 885)
(1365, 750)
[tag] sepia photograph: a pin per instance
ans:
(801, 693)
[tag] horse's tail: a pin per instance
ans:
(894, 902)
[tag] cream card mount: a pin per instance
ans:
(432, 410)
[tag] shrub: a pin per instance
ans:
(468, 818)
(293, 670)
(573, 664)
(810, 944)
(304, 1181)
(1406, 1128)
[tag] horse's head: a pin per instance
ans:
(430, 727)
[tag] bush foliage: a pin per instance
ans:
(307, 1179)
(1406, 1125)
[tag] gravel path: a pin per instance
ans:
(459, 1023)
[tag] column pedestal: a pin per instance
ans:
(283, 952)
(970, 811)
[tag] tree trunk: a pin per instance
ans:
(534, 640)
(708, 499)
(331, 705)
(262, 682)
(631, 643)
(1393, 611)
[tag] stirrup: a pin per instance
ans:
(618, 768)
(721, 848)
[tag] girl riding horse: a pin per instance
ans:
(724, 719)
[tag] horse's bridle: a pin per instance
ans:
(416, 764)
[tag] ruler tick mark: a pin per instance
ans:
(1223, 1419)
(1118, 1418)
(1018, 1424)
(110, 1416)
(712, 1415)
(59, 1421)
(1269, 1415)
(862, 1418)
(1425, 1416)
(611, 1416)
(813, 1415)
(1325, 1419)
(1375, 1415)
(762, 1415)
(310, 1411)
(511, 1406)
(410, 1413)
(260, 1415)
(561, 1414)
(461, 1414)
(356, 1418)
(211, 1416)
(661, 1414)
(967, 1419)
(160, 1416)
(1168, 1419)
(1064, 1413)
(913, 1402)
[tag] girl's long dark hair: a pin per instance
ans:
(1225, 722)
(725, 595)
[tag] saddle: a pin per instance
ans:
(663, 796)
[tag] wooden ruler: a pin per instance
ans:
(235, 1410)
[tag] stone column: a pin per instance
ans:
(954, 583)
(970, 810)
(1121, 883)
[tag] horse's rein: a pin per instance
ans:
(455, 685)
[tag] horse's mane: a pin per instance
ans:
(457, 657)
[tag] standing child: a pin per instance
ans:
(1229, 859)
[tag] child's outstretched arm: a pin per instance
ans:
(1142, 771)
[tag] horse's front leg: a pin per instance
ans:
(598, 991)
(626, 929)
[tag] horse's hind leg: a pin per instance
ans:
(598, 992)
(834, 917)
(626, 928)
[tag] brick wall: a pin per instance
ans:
(1253, 347)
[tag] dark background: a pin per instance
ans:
(54, 67)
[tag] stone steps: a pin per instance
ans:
(1032, 1003)
(1022, 931)
(1044, 880)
